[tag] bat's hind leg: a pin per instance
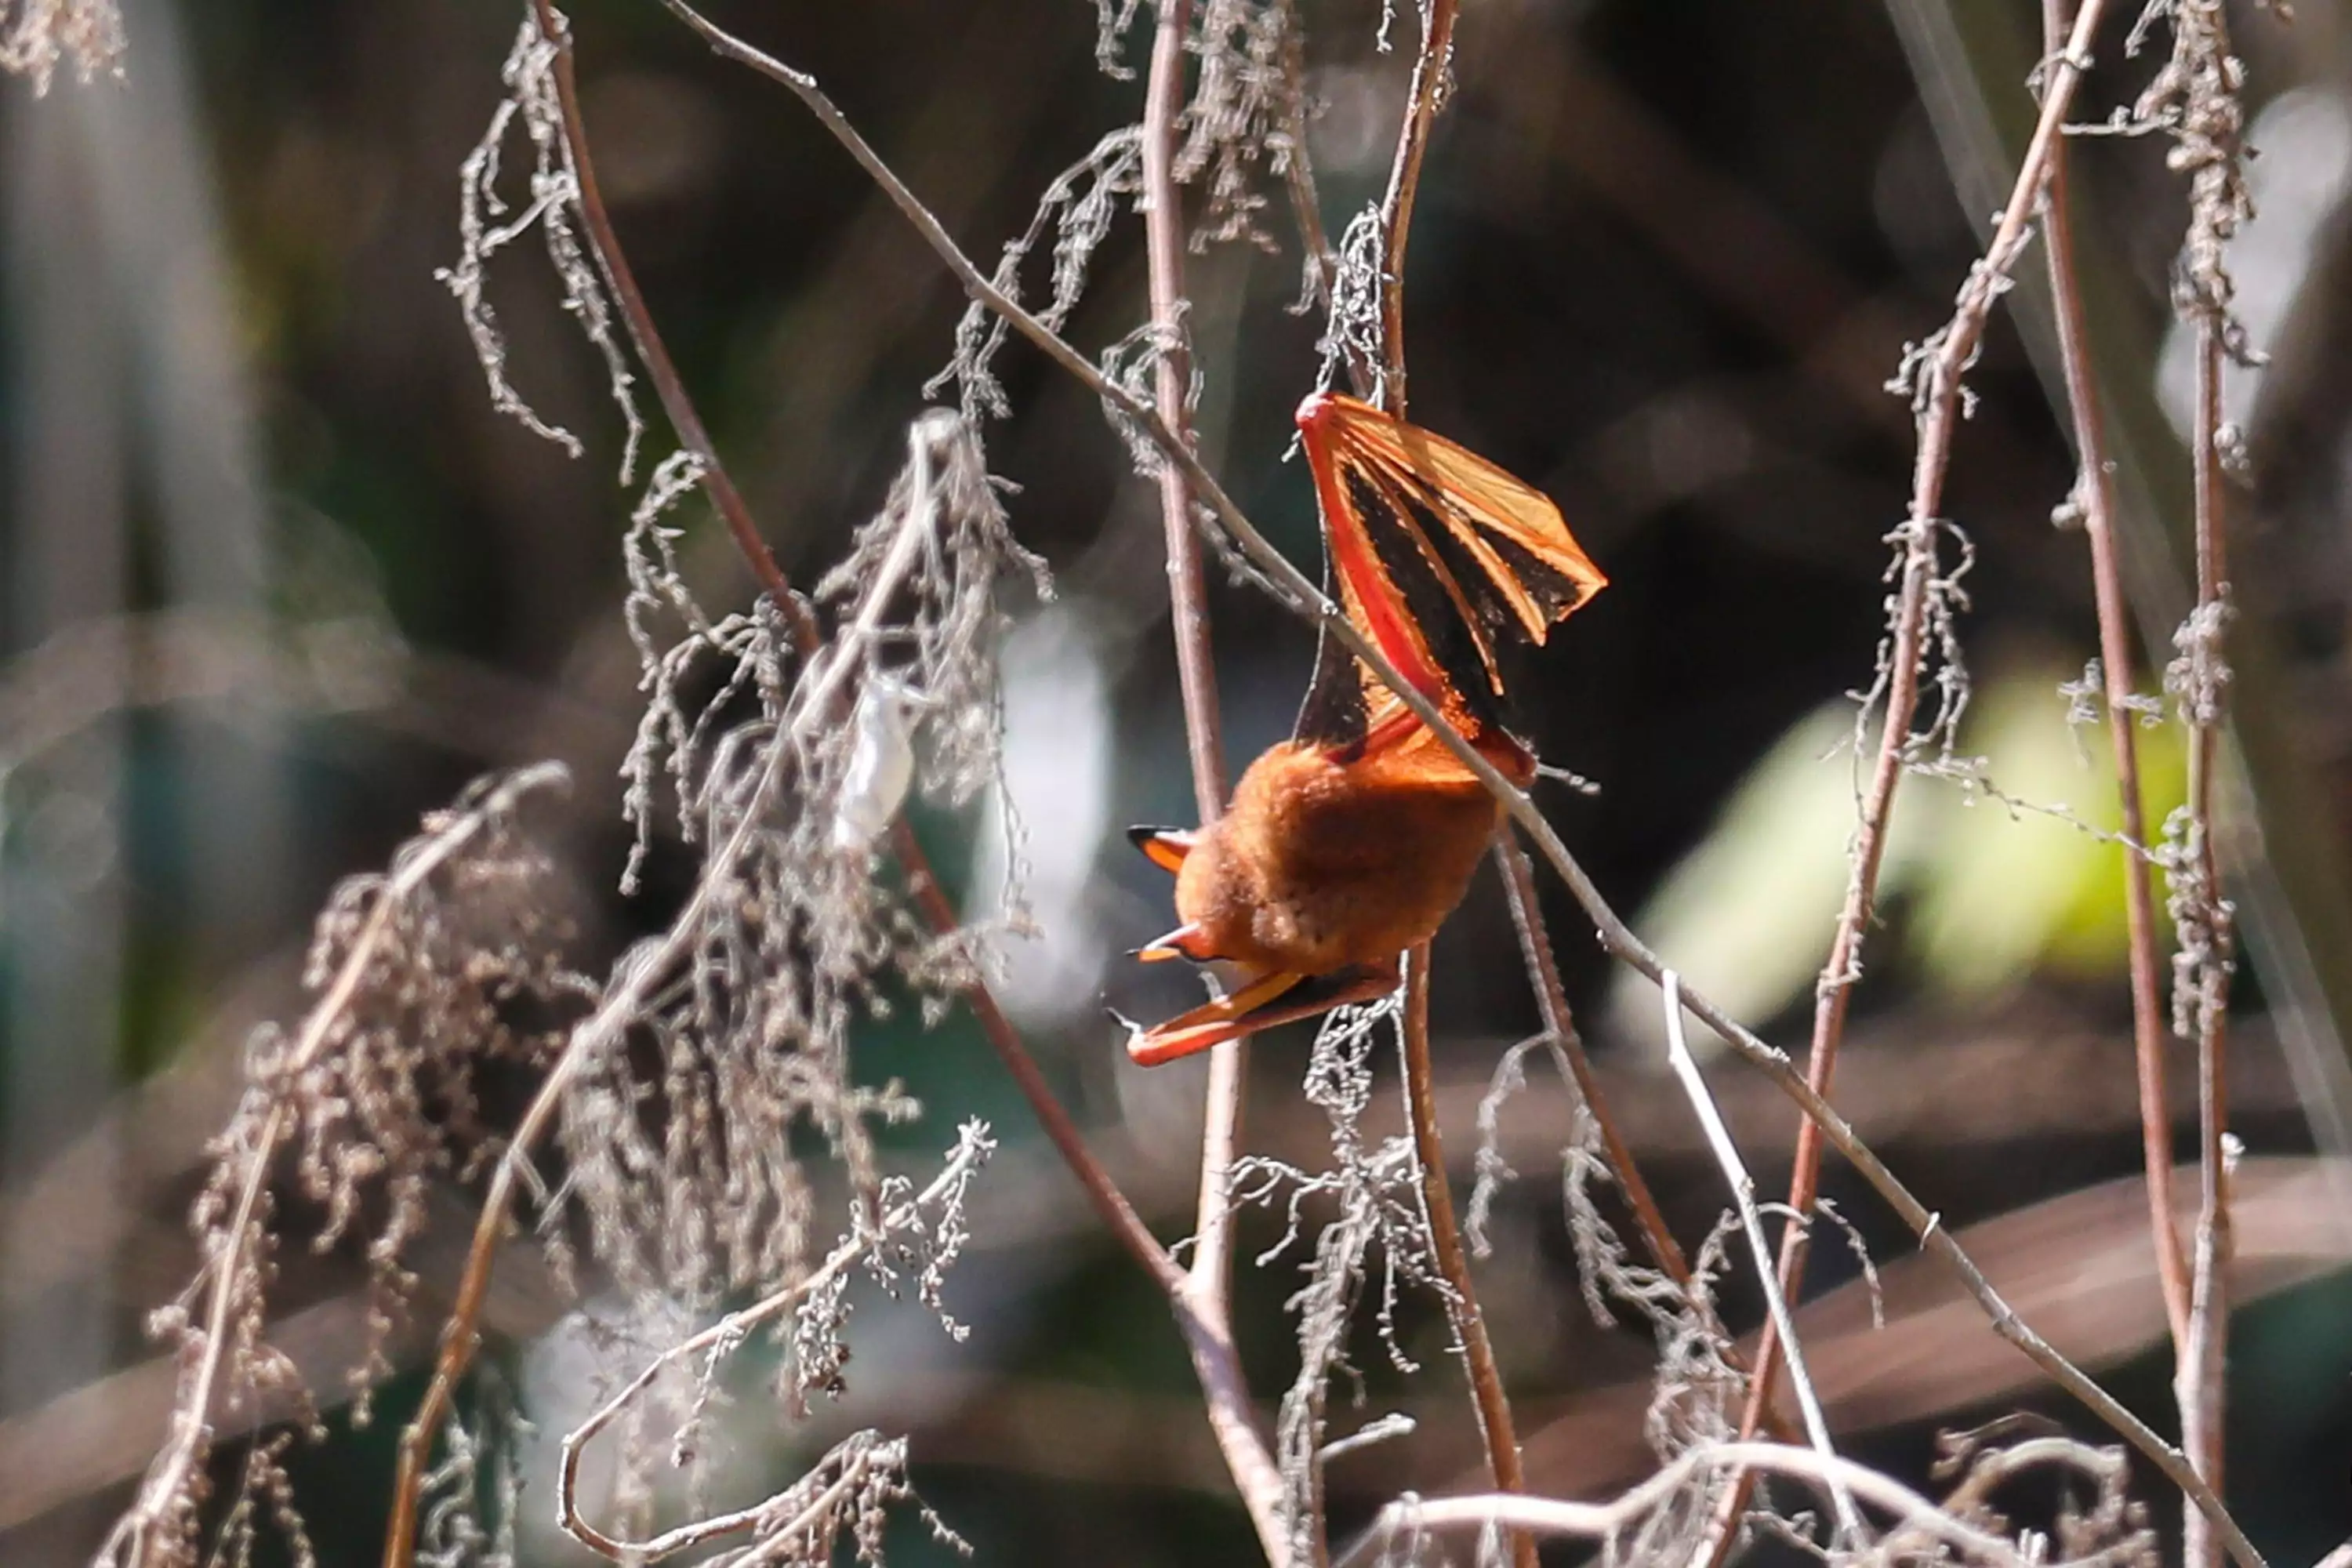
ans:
(1260, 1001)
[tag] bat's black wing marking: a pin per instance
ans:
(1335, 713)
(1411, 534)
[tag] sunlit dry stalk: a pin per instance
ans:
(1494, 1408)
(1404, 1521)
(1743, 1198)
(638, 975)
(2095, 494)
(1289, 588)
(1428, 80)
(1208, 1282)
(1936, 389)
(1487, 1392)
(139, 1535)
(971, 1149)
(2196, 98)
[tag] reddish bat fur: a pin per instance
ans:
(1322, 864)
(1334, 859)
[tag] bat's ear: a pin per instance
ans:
(1164, 846)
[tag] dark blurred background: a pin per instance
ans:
(277, 580)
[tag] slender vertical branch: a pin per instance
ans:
(2200, 1385)
(652, 352)
(2095, 495)
(2197, 95)
(1446, 1241)
(1487, 1392)
(1299, 169)
(1429, 70)
(1163, 222)
(1939, 404)
(1206, 1290)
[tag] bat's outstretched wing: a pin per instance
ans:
(1434, 552)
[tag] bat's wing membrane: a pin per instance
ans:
(1434, 552)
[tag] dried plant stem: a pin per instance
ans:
(2200, 1385)
(1289, 588)
(1743, 1196)
(652, 352)
(2095, 495)
(1163, 219)
(1940, 414)
(2197, 95)
(1401, 1522)
(639, 973)
(1551, 1002)
(1207, 1335)
(1306, 207)
(167, 1478)
(1206, 1292)
(1429, 70)
(1445, 1245)
(729, 1331)
(1486, 1392)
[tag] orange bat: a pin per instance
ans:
(1355, 838)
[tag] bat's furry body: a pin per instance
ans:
(1321, 864)
(1354, 839)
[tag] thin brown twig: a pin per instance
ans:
(652, 352)
(1486, 1391)
(1290, 588)
(2095, 495)
(1495, 1424)
(1551, 1002)
(1429, 70)
(1299, 169)
(1207, 1287)
(2200, 1385)
(1940, 390)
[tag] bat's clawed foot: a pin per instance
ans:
(1184, 942)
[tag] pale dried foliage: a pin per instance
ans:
(800, 935)
(905, 1238)
(488, 222)
(691, 1097)
(38, 36)
(1376, 1224)
(1241, 129)
(1987, 1473)
(428, 978)
(716, 1060)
